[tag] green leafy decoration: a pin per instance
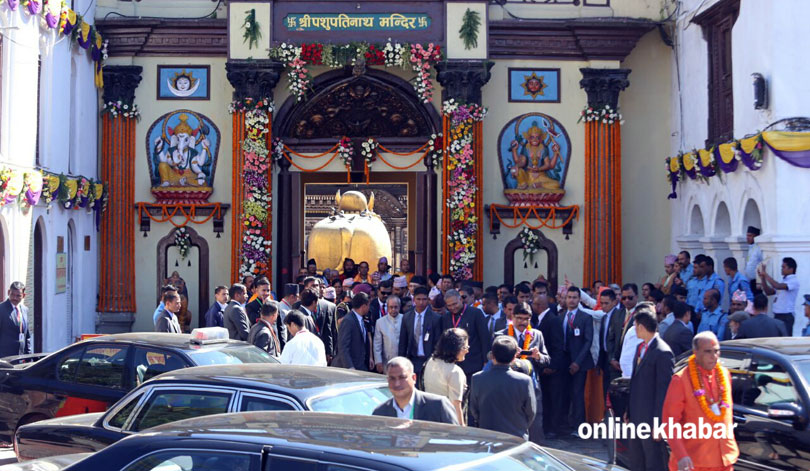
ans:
(252, 30)
(469, 29)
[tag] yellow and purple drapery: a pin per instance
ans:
(792, 147)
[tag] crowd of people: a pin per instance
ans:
(553, 353)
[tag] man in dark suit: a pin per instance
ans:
(378, 306)
(308, 307)
(501, 399)
(167, 319)
(653, 365)
(622, 320)
(607, 337)
(236, 319)
(354, 337)
(494, 316)
(578, 336)
(322, 314)
(263, 333)
(760, 324)
(530, 340)
(15, 338)
(420, 330)
(214, 316)
(679, 335)
(471, 319)
(551, 377)
(410, 403)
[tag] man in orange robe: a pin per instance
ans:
(682, 406)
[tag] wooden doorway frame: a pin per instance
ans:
(162, 260)
(551, 254)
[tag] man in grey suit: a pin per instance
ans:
(410, 403)
(236, 319)
(354, 341)
(420, 331)
(679, 335)
(530, 340)
(167, 320)
(15, 338)
(263, 333)
(501, 399)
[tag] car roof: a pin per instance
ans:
(159, 339)
(388, 439)
(791, 346)
(302, 381)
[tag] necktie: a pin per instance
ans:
(491, 324)
(521, 340)
(571, 320)
(642, 348)
(418, 332)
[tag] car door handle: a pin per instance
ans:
(740, 419)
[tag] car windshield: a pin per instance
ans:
(230, 354)
(357, 402)
(521, 458)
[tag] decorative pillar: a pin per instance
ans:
(603, 167)
(116, 294)
(462, 254)
(253, 82)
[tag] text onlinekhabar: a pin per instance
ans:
(616, 429)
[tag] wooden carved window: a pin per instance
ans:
(717, 23)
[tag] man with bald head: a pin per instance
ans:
(472, 320)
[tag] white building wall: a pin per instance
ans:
(58, 128)
(768, 39)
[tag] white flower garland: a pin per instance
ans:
(182, 241)
(369, 150)
(605, 115)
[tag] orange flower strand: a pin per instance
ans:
(527, 338)
(697, 383)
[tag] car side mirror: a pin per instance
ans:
(785, 411)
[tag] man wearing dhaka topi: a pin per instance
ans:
(701, 394)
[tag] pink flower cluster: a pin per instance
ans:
(422, 60)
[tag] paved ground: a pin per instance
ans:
(7, 456)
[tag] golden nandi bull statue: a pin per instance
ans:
(353, 231)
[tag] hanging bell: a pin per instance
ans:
(535, 265)
(189, 262)
(525, 265)
(176, 263)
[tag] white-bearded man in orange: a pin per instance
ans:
(701, 393)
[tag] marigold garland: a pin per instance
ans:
(699, 391)
(527, 338)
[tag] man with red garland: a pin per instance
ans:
(530, 340)
(472, 320)
(701, 393)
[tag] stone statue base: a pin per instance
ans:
(529, 197)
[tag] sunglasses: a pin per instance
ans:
(628, 298)
(386, 293)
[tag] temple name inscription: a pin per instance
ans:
(356, 21)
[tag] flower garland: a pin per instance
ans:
(434, 150)
(419, 58)
(461, 187)
(126, 109)
(182, 241)
(699, 391)
(255, 249)
(249, 104)
(527, 338)
(345, 152)
(530, 238)
(57, 19)
(369, 151)
(605, 115)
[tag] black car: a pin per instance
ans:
(206, 390)
(314, 441)
(770, 387)
(91, 375)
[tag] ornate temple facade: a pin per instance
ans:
(501, 140)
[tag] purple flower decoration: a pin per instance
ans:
(34, 7)
(51, 20)
(68, 27)
(724, 404)
(32, 197)
(12, 4)
(699, 392)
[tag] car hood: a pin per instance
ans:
(81, 420)
(53, 463)
(581, 462)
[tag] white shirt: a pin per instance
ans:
(406, 412)
(542, 315)
(753, 259)
(222, 306)
(785, 301)
(629, 347)
(304, 349)
(362, 324)
(386, 338)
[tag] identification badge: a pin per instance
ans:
(427, 336)
(576, 332)
(715, 409)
